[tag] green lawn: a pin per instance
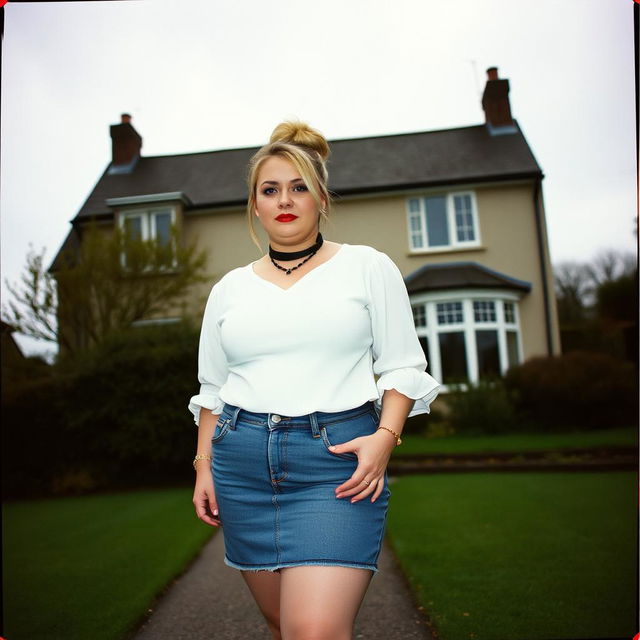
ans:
(412, 444)
(523, 556)
(86, 568)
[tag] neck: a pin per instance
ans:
(291, 245)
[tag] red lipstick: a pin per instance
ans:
(286, 217)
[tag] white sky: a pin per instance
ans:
(205, 74)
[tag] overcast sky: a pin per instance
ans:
(205, 74)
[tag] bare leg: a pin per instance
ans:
(265, 588)
(321, 603)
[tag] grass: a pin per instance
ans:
(415, 444)
(88, 567)
(520, 555)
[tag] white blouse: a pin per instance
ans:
(316, 346)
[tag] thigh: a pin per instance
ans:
(265, 589)
(321, 601)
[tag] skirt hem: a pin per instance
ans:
(302, 563)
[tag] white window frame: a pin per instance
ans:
(148, 226)
(421, 215)
(468, 327)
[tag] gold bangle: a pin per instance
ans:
(395, 435)
(201, 456)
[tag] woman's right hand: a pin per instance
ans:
(204, 497)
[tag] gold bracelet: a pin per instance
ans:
(201, 456)
(395, 435)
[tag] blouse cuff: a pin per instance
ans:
(205, 401)
(412, 383)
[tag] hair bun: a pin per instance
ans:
(300, 133)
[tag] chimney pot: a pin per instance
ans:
(492, 73)
(125, 118)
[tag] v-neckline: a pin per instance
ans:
(297, 282)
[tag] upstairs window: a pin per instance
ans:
(150, 225)
(446, 221)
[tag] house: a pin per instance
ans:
(460, 211)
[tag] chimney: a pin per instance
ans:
(495, 102)
(126, 144)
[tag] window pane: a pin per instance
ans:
(424, 343)
(449, 312)
(453, 355)
(488, 357)
(509, 312)
(484, 310)
(163, 228)
(437, 229)
(133, 227)
(464, 218)
(419, 315)
(512, 348)
(414, 205)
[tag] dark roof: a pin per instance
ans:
(460, 275)
(69, 250)
(358, 165)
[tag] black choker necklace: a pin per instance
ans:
(285, 256)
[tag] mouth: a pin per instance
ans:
(286, 217)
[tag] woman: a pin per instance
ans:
(300, 431)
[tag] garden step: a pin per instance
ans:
(566, 459)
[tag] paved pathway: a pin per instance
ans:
(211, 602)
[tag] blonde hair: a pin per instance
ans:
(307, 150)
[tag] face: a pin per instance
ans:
(285, 207)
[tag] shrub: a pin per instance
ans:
(114, 416)
(579, 390)
(481, 408)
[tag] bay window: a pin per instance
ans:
(468, 336)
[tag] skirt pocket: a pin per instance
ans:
(343, 431)
(221, 430)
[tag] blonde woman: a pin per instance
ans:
(296, 431)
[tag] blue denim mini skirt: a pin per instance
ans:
(275, 482)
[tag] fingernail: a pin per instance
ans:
(215, 512)
(332, 448)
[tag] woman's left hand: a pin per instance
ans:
(373, 453)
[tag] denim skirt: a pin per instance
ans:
(275, 482)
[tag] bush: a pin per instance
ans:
(481, 408)
(579, 390)
(115, 416)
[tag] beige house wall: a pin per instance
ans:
(506, 215)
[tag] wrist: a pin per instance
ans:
(202, 461)
(391, 435)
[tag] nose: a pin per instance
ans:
(284, 199)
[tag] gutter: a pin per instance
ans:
(543, 264)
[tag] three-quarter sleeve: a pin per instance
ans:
(212, 362)
(398, 358)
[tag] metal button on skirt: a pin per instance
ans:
(275, 482)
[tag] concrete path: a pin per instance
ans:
(211, 602)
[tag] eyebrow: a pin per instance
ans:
(276, 182)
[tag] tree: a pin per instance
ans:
(573, 290)
(109, 281)
(598, 303)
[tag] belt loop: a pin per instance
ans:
(234, 417)
(313, 418)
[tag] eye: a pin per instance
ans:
(300, 187)
(268, 191)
